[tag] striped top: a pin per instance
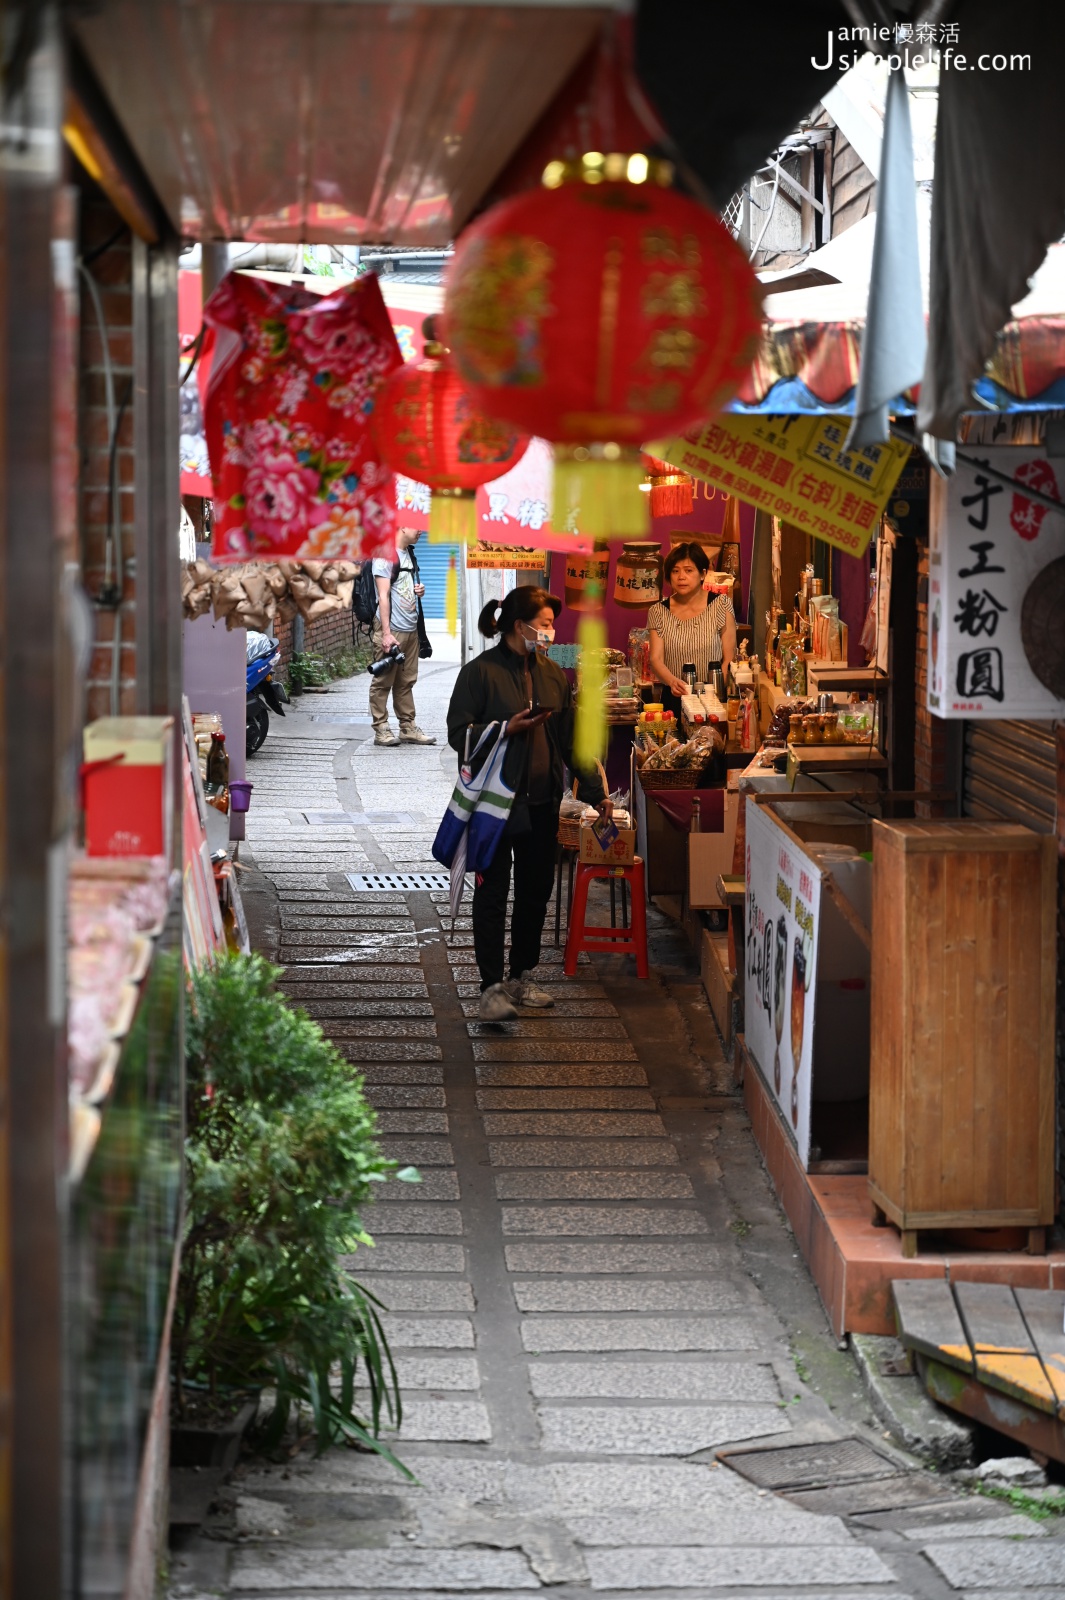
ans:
(696, 639)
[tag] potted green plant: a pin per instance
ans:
(281, 1154)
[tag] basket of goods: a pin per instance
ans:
(677, 764)
(572, 811)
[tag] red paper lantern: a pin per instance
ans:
(428, 427)
(600, 311)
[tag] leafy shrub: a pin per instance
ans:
(307, 670)
(281, 1153)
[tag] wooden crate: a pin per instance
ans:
(961, 1114)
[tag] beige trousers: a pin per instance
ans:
(399, 679)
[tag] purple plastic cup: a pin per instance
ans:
(240, 794)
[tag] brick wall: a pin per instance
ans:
(931, 765)
(99, 224)
(325, 636)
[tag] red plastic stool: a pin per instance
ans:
(620, 941)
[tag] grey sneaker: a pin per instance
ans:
(525, 992)
(496, 1004)
(414, 735)
(384, 736)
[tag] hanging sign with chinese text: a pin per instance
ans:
(505, 557)
(796, 468)
(782, 925)
(988, 544)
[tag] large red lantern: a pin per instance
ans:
(601, 311)
(428, 427)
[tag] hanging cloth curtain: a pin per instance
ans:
(293, 382)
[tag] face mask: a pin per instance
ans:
(542, 637)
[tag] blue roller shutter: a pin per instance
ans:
(432, 563)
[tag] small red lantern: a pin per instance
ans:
(672, 492)
(428, 427)
(598, 312)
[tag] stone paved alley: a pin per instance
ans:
(591, 1292)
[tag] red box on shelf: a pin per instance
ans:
(128, 785)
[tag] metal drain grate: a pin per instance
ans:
(810, 1466)
(398, 882)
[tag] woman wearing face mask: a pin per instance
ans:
(517, 685)
(691, 625)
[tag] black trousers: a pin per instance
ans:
(534, 877)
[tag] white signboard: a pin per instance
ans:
(783, 923)
(988, 544)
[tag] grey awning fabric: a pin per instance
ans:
(999, 193)
(893, 346)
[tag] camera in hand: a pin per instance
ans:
(390, 659)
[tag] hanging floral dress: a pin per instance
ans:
(288, 401)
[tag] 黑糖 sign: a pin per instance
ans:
(988, 545)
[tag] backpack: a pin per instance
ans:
(364, 597)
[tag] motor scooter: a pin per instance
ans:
(263, 654)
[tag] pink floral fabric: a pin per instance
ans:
(289, 398)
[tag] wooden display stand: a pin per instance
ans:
(962, 1029)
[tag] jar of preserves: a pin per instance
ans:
(638, 576)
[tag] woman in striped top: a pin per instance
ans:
(691, 625)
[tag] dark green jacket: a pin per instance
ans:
(492, 688)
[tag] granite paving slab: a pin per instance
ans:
(586, 987)
(574, 1125)
(542, 1099)
(406, 1121)
(561, 1008)
(655, 1430)
(627, 1294)
(580, 1076)
(544, 1335)
(437, 1372)
(394, 1013)
(777, 1523)
(429, 1333)
(639, 1185)
(376, 1072)
(454, 1571)
(684, 1255)
(340, 919)
(544, 1050)
(423, 1294)
(550, 1026)
(433, 1183)
(383, 1217)
(1000, 1563)
(418, 1152)
(739, 1566)
(385, 1026)
(653, 1380)
(448, 1421)
(1017, 1526)
(348, 1005)
(418, 1096)
(403, 1255)
(389, 1050)
(584, 1221)
(578, 1153)
(361, 955)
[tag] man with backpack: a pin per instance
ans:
(396, 628)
